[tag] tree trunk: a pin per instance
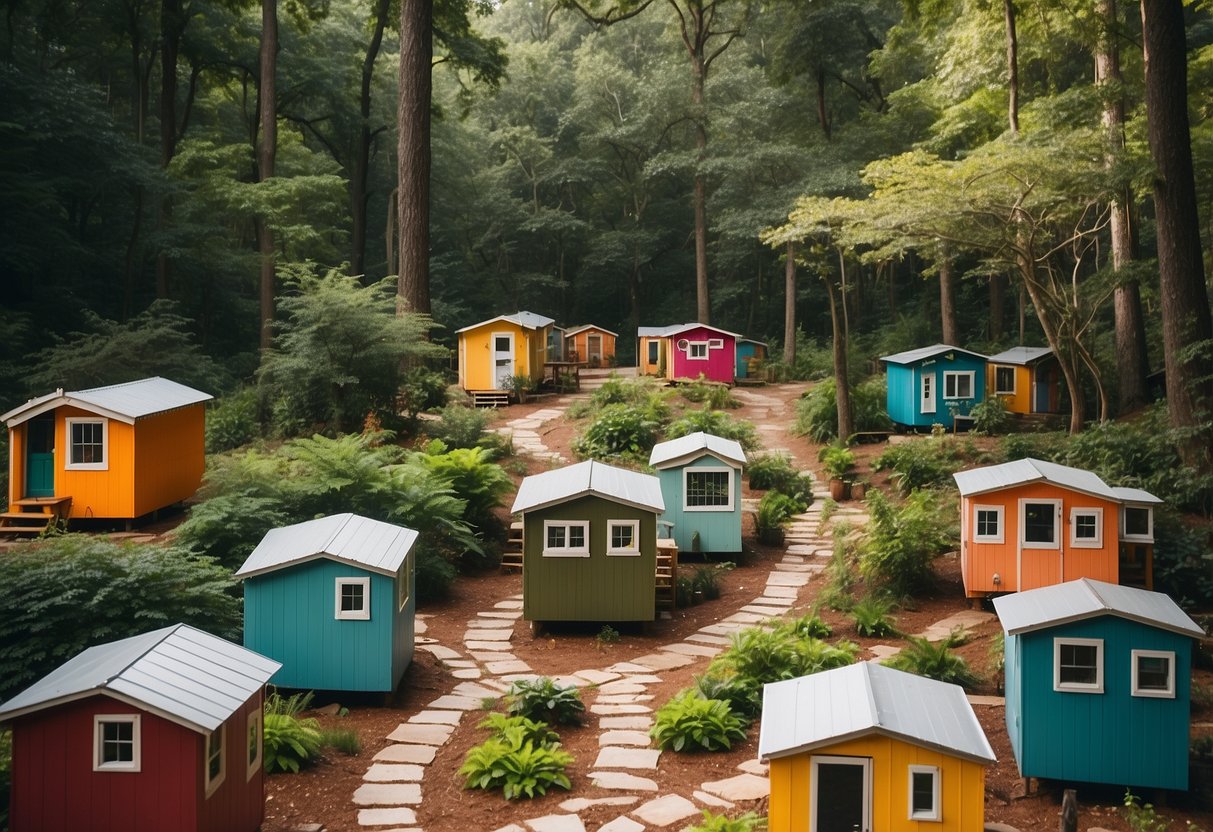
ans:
(172, 24)
(823, 117)
(1008, 7)
(947, 301)
(789, 305)
(266, 152)
(842, 387)
(359, 187)
(413, 154)
(1062, 351)
(703, 303)
(1187, 326)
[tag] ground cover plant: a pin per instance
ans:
(716, 423)
(872, 617)
(748, 822)
(935, 660)
(290, 741)
(902, 542)
(817, 412)
(522, 757)
(620, 431)
(544, 700)
(689, 722)
(714, 395)
(927, 462)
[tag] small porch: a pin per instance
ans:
(31, 516)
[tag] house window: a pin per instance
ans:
(563, 538)
(623, 537)
(254, 743)
(708, 489)
(716, 343)
(924, 793)
(116, 742)
(353, 599)
(404, 582)
(87, 444)
(215, 768)
(1078, 665)
(697, 349)
(1004, 381)
(957, 385)
(1138, 524)
(653, 347)
(1039, 524)
(1086, 528)
(1154, 673)
(987, 524)
(502, 343)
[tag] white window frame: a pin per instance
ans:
(1146, 538)
(104, 464)
(567, 551)
(1077, 542)
(1169, 692)
(999, 391)
(634, 549)
(136, 762)
(715, 469)
(694, 346)
(935, 812)
(1000, 537)
(404, 580)
(1078, 687)
(715, 343)
(830, 759)
(952, 375)
(363, 614)
(213, 783)
(1023, 526)
(927, 393)
(253, 732)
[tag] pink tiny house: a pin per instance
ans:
(700, 350)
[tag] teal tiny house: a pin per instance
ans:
(750, 356)
(332, 600)
(1098, 684)
(933, 385)
(700, 478)
(589, 544)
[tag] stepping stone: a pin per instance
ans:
(769, 601)
(501, 614)
(437, 717)
(387, 794)
(510, 604)
(724, 628)
(508, 666)
(706, 638)
(393, 773)
(475, 690)
(625, 723)
(776, 591)
(501, 656)
(741, 787)
(487, 624)
(461, 663)
(755, 767)
(488, 635)
(993, 701)
(513, 827)
(765, 612)
(622, 686)
(510, 678)
(597, 677)
(692, 649)
(569, 681)
(424, 734)
(880, 652)
(628, 667)
(663, 661)
(622, 781)
(617, 757)
(622, 824)
(641, 679)
(386, 817)
(624, 698)
(796, 567)
(420, 754)
(458, 703)
(665, 811)
(617, 710)
(556, 823)
(466, 673)
(787, 579)
(419, 627)
(489, 646)
(438, 651)
(580, 804)
(711, 800)
(637, 738)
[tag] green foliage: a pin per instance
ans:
(343, 740)
(645, 393)
(523, 759)
(923, 463)
(716, 423)
(990, 416)
(996, 658)
(517, 730)
(771, 471)
(810, 626)
(1050, 447)
(776, 509)
(749, 822)
(619, 431)
(421, 390)
(935, 661)
(1141, 817)
(690, 723)
(473, 477)
(817, 411)
(460, 426)
(543, 699)
(1183, 561)
(841, 576)
(837, 460)
(6, 774)
(289, 742)
(713, 394)
(606, 637)
(231, 421)
(73, 591)
(872, 618)
(519, 385)
(902, 543)
(707, 580)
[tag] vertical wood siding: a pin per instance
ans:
(719, 365)
(719, 531)
(901, 394)
(108, 493)
(170, 457)
(16, 465)
(476, 370)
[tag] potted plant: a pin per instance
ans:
(838, 460)
(774, 511)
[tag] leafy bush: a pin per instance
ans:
(775, 509)
(837, 461)
(422, 390)
(817, 411)
(922, 463)
(872, 619)
(619, 430)
(1183, 561)
(990, 416)
(935, 661)
(543, 699)
(1142, 817)
(838, 593)
(689, 723)
(707, 580)
(643, 392)
(712, 393)
(290, 742)
(343, 740)
(523, 758)
(810, 626)
(716, 423)
(518, 730)
(460, 426)
(770, 471)
(749, 822)
(6, 774)
(232, 421)
(902, 543)
(684, 591)
(1050, 446)
(473, 478)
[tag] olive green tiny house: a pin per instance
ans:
(700, 478)
(589, 544)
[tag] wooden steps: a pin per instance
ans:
(511, 556)
(34, 515)
(667, 574)
(490, 398)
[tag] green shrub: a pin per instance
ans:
(839, 591)
(935, 661)
(1050, 446)
(742, 695)
(459, 426)
(473, 478)
(810, 626)
(922, 463)
(872, 619)
(689, 723)
(684, 591)
(289, 741)
(817, 411)
(716, 423)
(712, 393)
(525, 770)
(902, 543)
(516, 731)
(990, 416)
(707, 580)
(343, 740)
(231, 421)
(837, 461)
(643, 392)
(543, 700)
(770, 471)
(749, 822)
(775, 509)
(421, 389)
(619, 430)
(1141, 817)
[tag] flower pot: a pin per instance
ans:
(840, 490)
(858, 490)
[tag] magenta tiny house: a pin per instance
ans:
(700, 350)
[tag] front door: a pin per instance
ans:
(503, 359)
(1044, 381)
(593, 348)
(40, 456)
(927, 405)
(842, 794)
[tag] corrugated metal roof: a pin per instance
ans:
(124, 402)
(526, 320)
(568, 333)
(1020, 355)
(1022, 471)
(1048, 606)
(922, 353)
(687, 447)
(655, 331)
(826, 708)
(348, 538)
(679, 328)
(181, 673)
(1135, 495)
(752, 341)
(585, 478)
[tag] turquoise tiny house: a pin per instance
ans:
(750, 352)
(933, 385)
(701, 484)
(333, 600)
(1098, 684)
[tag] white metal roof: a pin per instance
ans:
(677, 329)
(1020, 355)
(1048, 606)
(589, 478)
(694, 445)
(123, 402)
(753, 341)
(923, 353)
(826, 708)
(180, 673)
(347, 538)
(569, 333)
(1023, 471)
(1135, 495)
(526, 320)
(655, 331)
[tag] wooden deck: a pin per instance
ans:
(33, 515)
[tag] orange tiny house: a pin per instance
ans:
(1030, 523)
(653, 350)
(493, 351)
(592, 345)
(116, 452)
(1027, 379)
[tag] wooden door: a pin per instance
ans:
(842, 794)
(40, 456)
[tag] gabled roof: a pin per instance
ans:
(923, 353)
(538, 491)
(655, 331)
(678, 329)
(833, 706)
(1135, 495)
(185, 675)
(1049, 606)
(571, 331)
(694, 445)
(346, 538)
(751, 341)
(1023, 471)
(1021, 355)
(124, 402)
(526, 320)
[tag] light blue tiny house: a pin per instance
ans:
(1098, 684)
(701, 484)
(932, 385)
(749, 350)
(333, 600)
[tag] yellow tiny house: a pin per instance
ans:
(492, 351)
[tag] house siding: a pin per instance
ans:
(718, 366)
(108, 493)
(719, 531)
(169, 457)
(903, 397)
(476, 370)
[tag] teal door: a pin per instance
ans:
(40, 456)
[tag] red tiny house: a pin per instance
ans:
(700, 350)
